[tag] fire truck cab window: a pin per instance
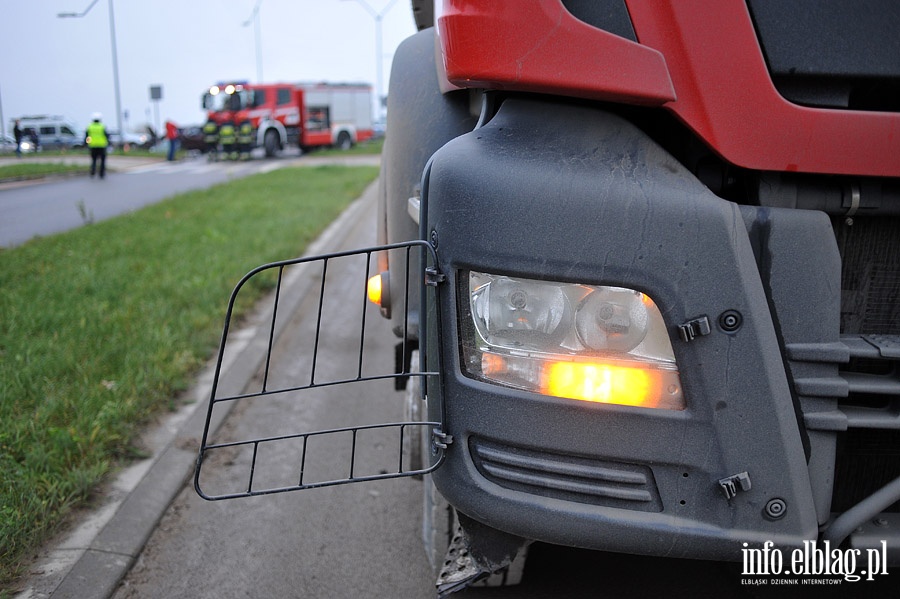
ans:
(225, 101)
(235, 101)
(283, 97)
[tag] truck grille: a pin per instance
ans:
(870, 275)
(848, 387)
(868, 453)
(567, 477)
(866, 461)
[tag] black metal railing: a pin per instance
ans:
(325, 375)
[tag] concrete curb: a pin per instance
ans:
(91, 561)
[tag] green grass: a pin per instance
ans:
(371, 146)
(102, 327)
(35, 170)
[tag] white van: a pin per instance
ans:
(53, 132)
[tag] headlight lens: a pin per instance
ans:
(587, 342)
(520, 314)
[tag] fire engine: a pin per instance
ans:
(642, 258)
(306, 115)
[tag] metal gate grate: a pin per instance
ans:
(331, 370)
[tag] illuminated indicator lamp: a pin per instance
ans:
(624, 384)
(214, 90)
(229, 89)
(598, 382)
(378, 290)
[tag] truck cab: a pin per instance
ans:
(642, 261)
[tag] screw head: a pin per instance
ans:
(775, 509)
(730, 320)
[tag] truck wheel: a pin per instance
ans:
(271, 143)
(344, 142)
(413, 411)
(437, 524)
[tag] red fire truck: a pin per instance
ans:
(308, 115)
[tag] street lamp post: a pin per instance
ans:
(254, 18)
(115, 59)
(379, 58)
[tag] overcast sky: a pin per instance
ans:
(63, 66)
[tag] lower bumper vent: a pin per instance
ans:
(567, 477)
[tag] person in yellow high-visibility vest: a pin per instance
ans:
(211, 139)
(245, 139)
(228, 138)
(96, 138)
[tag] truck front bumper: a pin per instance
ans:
(575, 194)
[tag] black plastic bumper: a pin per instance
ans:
(568, 193)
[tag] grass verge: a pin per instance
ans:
(104, 325)
(35, 170)
(370, 146)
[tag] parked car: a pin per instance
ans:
(191, 139)
(8, 145)
(378, 129)
(133, 140)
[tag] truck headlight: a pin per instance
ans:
(587, 342)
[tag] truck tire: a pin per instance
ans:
(344, 141)
(271, 143)
(437, 524)
(414, 411)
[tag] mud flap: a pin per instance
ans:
(335, 367)
(480, 556)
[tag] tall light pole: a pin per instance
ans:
(115, 59)
(379, 58)
(2, 122)
(254, 18)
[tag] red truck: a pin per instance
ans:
(643, 261)
(306, 115)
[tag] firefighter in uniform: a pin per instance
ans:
(97, 140)
(228, 139)
(211, 139)
(245, 139)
